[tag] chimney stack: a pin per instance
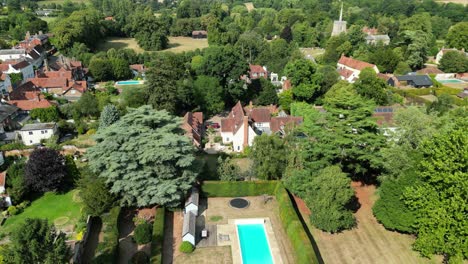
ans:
(28, 36)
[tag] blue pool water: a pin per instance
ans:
(450, 81)
(128, 82)
(254, 244)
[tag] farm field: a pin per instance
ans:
(463, 2)
(48, 19)
(119, 43)
(176, 44)
(61, 2)
(181, 44)
(61, 209)
(369, 242)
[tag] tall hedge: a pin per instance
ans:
(158, 237)
(107, 251)
(237, 189)
(294, 229)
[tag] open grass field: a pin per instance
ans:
(217, 255)
(119, 43)
(61, 209)
(176, 44)
(463, 2)
(48, 19)
(369, 242)
(61, 2)
(181, 44)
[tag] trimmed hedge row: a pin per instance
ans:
(237, 189)
(303, 249)
(301, 243)
(107, 251)
(158, 236)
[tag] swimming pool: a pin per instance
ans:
(450, 81)
(129, 82)
(254, 245)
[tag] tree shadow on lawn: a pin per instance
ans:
(306, 229)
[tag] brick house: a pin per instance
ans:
(193, 126)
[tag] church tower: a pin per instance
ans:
(340, 25)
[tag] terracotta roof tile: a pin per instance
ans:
(278, 123)
(355, 64)
(193, 126)
(28, 105)
(2, 178)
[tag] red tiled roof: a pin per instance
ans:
(260, 115)
(3, 76)
(138, 67)
(370, 31)
(345, 73)
(2, 178)
(430, 70)
(286, 85)
(355, 64)
(193, 125)
(384, 77)
(257, 69)
(28, 105)
(56, 74)
(50, 82)
(4, 67)
(277, 123)
(234, 120)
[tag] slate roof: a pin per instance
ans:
(37, 126)
(7, 110)
(189, 224)
(21, 65)
(193, 198)
(355, 64)
(26, 91)
(418, 80)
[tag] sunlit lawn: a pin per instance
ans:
(62, 208)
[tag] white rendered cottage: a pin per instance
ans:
(349, 68)
(33, 133)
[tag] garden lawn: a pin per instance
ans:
(119, 43)
(62, 208)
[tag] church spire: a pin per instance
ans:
(341, 11)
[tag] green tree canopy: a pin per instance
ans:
(145, 158)
(228, 170)
(328, 195)
(457, 36)
(95, 194)
(50, 114)
(109, 115)
(454, 61)
(35, 241)
(208, 95)
(442, 195)
(372, 87)
(269, 157)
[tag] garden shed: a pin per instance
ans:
(188, 230)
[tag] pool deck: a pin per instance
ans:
(230, 229)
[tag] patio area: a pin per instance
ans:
(217, 217)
